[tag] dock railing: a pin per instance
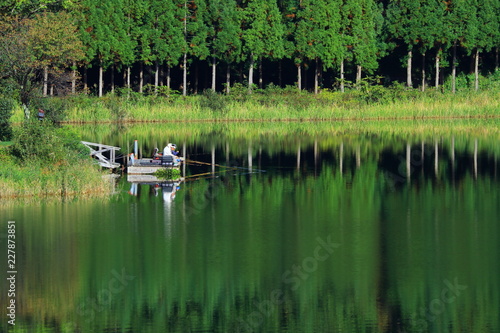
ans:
(97, 150)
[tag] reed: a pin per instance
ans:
(45, 161)
(82, 179)
(278, 105)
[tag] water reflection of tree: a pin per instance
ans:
(398, 244)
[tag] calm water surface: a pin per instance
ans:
(300, 231)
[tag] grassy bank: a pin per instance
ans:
(275, 104)
(44, 161)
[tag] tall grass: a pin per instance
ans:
(44, 161)
(372, 102)
(82, 179)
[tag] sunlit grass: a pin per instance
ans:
(35, 181)
(381, 103)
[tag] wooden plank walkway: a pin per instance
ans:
(97, 150)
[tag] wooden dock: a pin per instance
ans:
(97, 150)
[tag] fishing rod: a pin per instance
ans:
(223, 166)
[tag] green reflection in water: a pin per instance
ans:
(342, 234)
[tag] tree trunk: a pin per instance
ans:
(436, 83)
(214, 71)
(45, 80)
(168, 77)
(475, 159)
(113, 79)
(342, 76)
(454, 68)
(409, 82)
(358, 75)
(128, 76)
(299, 77)
(423, 72)
(141, 77)
(250, 73)
(184, 75)
(496, 58)
(157, 76)
(436, 158)
(101, 83)
(476, 70)
(228, 78)
(73, 79)
(260, 73)
(316, 77)
(341, 155)
(85, 82)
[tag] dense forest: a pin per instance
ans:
(148, 46)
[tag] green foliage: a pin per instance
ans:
(46, 42)
(39, 142)
(263, 29)
(6, 105)
(169, 173)
(54, 108)
(320, 34)
(214, 102)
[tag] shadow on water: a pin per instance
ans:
(348, 229)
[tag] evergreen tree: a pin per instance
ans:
(404, 19)
(430, 17)
(291, 21)
(482, 30)
(168, 37)
(224, 35)
(456, 18)
(104, 33)
(263, 33)
(317, 33)
(195, 35)
(360, 33)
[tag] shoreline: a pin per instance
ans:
(283, 120)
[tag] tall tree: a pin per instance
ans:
(263, 33)
(404, 19)
(362, 31)
(103, 32)
(482, 30)
(30, 46)
(224, 35)
(195, 35)
(291, 21)
(430, 15)
(167, 36)
(456, 18)
(54, 42)
(317, 34)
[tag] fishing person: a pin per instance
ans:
(170, 149)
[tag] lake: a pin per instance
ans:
(298, 227)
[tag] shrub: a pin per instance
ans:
(40, 142)
(214, 102)
(54, 108)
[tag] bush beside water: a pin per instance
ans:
(45, 160)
